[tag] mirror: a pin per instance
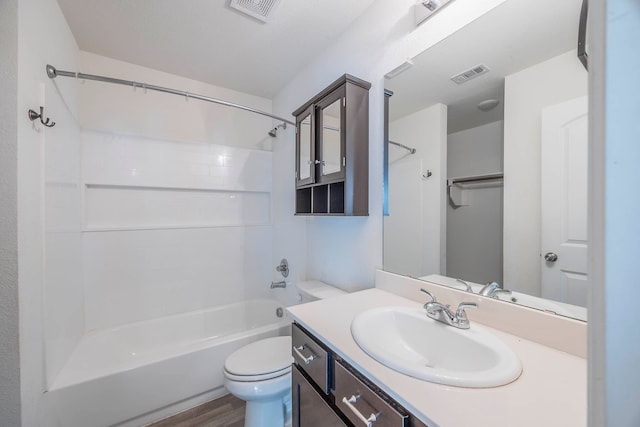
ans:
(305, 149)
(331, 120)
(496, 189)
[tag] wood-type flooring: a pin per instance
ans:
(227, 411)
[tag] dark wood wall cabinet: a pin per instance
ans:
(332, 150)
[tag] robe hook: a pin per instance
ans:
(33, 116)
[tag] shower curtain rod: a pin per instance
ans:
(409, 149)
(52, 72)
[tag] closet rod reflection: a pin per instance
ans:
(477, 178)
(52, 72)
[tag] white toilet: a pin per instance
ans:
(260, 373)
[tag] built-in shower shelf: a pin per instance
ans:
(109, 207)
(168, 227)
(144, 186)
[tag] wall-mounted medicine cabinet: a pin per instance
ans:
(332, 150)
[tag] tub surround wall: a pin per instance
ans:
(177, 197)
(63, 291)
(164, 234)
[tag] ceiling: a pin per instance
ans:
(206, 40)
(513, 36)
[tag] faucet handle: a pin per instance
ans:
(433, 298)
(460, 313)
(467, 286)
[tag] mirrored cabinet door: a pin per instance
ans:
(305, 153)
(332, 137)
(330, 147)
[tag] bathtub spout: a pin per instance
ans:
(282, 284)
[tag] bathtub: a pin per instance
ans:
(139, 372)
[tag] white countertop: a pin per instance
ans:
(552, 390)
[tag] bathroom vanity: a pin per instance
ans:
(328, 391)
(551, 389)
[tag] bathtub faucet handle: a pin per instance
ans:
(283, 268)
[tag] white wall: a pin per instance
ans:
(345, 251)
(614, 336)
(48, 171)
(414, 229)
(526, 93)
(177, 197)
(474, 232)
(9, 335)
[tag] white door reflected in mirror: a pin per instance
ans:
(564, 193)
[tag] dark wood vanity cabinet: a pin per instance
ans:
(332, 150)
(309, 408)
(328, 392)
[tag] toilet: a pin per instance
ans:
(260, 372)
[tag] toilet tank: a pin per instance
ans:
(313, 290)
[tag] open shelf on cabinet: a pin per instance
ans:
(323, 199)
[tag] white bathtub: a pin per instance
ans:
(116, 376)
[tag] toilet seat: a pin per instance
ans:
(260, 360)
(259, 377)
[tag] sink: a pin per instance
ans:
(407, 341)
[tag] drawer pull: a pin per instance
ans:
(306, 360)
(367, 421)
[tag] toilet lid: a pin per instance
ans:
(260, 357)
(315, 289)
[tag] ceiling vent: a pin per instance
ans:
(471, 73)
(259, 9)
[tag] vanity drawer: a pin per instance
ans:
(311, 357)
(361, 405)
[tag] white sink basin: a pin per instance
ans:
(407, 341)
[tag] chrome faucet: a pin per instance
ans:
(468, 286)
(442, 313)
(492, 289)
(282, 284)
